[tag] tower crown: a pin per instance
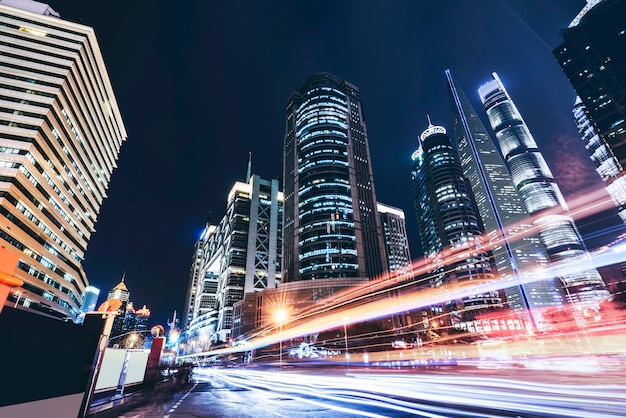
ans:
(432, 130)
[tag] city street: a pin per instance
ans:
(338, 392)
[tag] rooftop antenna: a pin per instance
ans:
(249, 166)
(123, 275)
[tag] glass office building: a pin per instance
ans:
(542, 197)
(397, 251)
(449, 226)
(608, 167)
(331, 226)
(516, 252)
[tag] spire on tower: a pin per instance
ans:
(249, 167)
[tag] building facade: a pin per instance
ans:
(608, 167)
(593, 57)
(449, 226)
(331, 227)
(60, 136)
(240, 255)
(397, 251)
(516, 252)
(194, 281)
(542, 198)
(90, 301)
(119, 292)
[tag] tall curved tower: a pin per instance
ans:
(542, 197)
(516, 252)
(449, 224)
(331, 223)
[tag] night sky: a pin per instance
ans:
(201, 83)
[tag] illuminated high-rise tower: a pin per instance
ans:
(119, 292)
(331, 225)
(608, 167)
(449, 225)
(60, 136)
(397, 252)
(516, 253)
(242, 254)
(593, 57)
(542, 197)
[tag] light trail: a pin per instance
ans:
(374, 296)
(404, 302)
(439, 395)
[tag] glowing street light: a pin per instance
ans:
(132, 340)
(280, 315)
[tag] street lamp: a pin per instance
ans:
(345, 338)
(280, 315)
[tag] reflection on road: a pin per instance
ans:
(458, 392)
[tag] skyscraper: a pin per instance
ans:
(240, 255)
(331, 226)
(516, 253)
(448, 225)
(542, 197)
(60, 136)
(397, 251)
(608, 166)
(593, 57)
(119, 292)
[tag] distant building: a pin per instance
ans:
(516, 252)
(240, 255)
(397, 251)
(449, 225)
(542, 198)
(136, 319)
(332, 228)
(119, 292)
(194, 281)
(90, 301)
(593, 57)
(60, 135)
(200, 333)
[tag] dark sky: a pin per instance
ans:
(201, 83)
